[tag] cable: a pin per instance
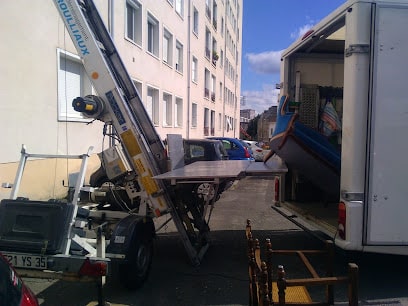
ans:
(120, 199)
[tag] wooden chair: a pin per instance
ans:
(268, 287)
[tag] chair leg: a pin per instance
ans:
(281, 284)
(269, 266)
(264, 297)
(329, 271)
(353, 284)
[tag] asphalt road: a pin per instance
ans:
(222, 278)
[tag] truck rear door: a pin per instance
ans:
(386, 184)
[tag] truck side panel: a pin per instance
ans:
(387, 192)
(354, 123)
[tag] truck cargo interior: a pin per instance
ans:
(315, 78)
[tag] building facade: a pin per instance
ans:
(183, 55)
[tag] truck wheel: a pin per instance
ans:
(134, 272)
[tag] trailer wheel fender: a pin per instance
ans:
(133, 236)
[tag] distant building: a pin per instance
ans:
(267, 123)
(248, 113)
(246, 116)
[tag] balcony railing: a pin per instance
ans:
(213, 96)
(214, 57)
(206, 129)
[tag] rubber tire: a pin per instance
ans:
(135, 271)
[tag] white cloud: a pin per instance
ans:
(268, 63)
(261, 100)
(265, 62)
(302, 30)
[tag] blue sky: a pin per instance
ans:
(269, 27)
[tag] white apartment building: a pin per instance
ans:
(184, 57)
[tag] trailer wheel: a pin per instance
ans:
(205, 191)
(134, 272)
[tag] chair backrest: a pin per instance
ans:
(283, 116)
(283, 105)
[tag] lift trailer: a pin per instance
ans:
(140, 154)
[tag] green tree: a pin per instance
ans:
(253, 127)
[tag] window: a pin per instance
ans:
(152, 104)
(206, 122)
(152, 35)
(214, 54)
(207, 43)
(212, 123)
(195, 152)
(194, 72)
(207, 83)
(215, 15)
(213, 82)
(72, 82)
(194, 114)
(228, 125)
(138, 86)
(167, 110)
(219, 121)
(180, 7)
(179, 56)
(167, 47)
(207, 9)
(134, 21)
(178, 112)
(195, 21)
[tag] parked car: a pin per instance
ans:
(203, 150)
(257, 149)
(236, 148)
(13, 291)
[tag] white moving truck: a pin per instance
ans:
(357, 58)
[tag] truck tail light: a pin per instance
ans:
(94, 268)
(247, 155)
(342, 220)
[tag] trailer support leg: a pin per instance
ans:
(99, 285)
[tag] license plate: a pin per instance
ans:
(27, 261)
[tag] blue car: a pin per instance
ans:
(236, 149)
